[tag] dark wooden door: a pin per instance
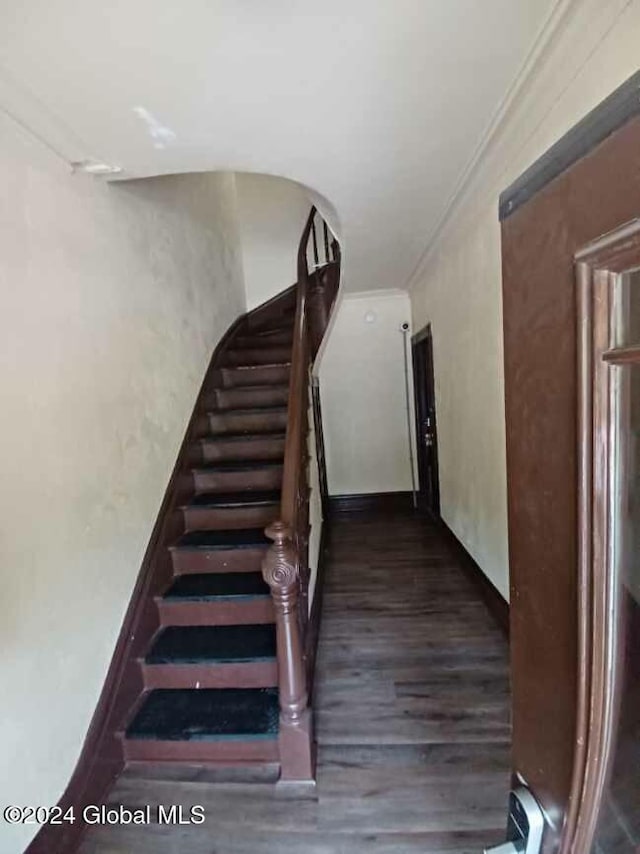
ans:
(426, 431)
(554, 581)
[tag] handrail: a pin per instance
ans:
(285, 567)
(299, 365)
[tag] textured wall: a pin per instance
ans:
(363, 396)
(112, 298)
(272, 213)
(458, 287)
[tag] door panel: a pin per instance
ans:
(426, 426)
(539, 242)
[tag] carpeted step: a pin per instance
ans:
(216, 598)
(240, 550)
(205, 724)
(229, 500)
(217, 585)
(186, 715)
(201, 644)
(246, 538)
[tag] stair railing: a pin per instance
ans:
(285, 567)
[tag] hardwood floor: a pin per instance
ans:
(412, 720)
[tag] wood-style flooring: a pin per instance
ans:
(412, 720)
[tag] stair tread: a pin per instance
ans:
(252, 342)
(253, 388)
(217, 585)
(206, 714)
(197, 644)
(237, 465)
(279, 352)
(271, 330)
(240, 538)
(250, 432)
(278, 409)
(248, 498)
(250, 367)
(240, 437)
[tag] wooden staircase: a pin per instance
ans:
(215, 668)
(209, 672)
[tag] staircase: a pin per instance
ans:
(209, 672)
(212, 670)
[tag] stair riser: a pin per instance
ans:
(261, 375)
(241, 450)
(257, 356)
(220, 772)
(219, 519)
(240, 398)
(269, 323)
(265, 750)
(255, 341)
(227, 613)
(258, 422)
(238, 481)
(186, 561)
(250, 674)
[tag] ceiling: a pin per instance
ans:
(377, 105)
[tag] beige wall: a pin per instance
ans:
(111, 301)
(272, 212)
(363, 395)
(458, 286)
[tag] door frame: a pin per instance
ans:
(585, 185)
(597, 267)
(422, 345)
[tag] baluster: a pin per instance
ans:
(280, 571)
(315, 242)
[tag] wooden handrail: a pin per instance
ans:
(286, 566)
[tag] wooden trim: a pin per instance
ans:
(607, 249)
(496, 604)
(368, 502)
(313, 628)
(585, 452)
(320, 446)
(622, 355)
(610, 115)
(598, 266)
(423, 333)
(101, 758)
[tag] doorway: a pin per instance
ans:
(426, 428)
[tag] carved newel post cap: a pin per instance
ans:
(278, 532)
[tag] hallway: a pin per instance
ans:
(412, 708)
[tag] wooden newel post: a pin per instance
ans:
(280, 571)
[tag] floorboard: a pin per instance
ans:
(412, 719)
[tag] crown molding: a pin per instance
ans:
(542, 47)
